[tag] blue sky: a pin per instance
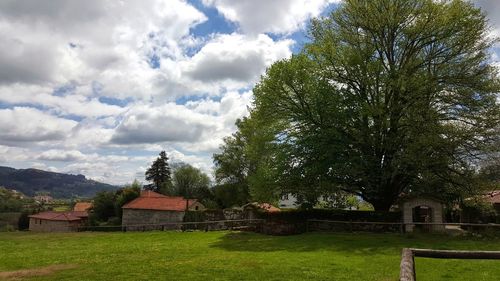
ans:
(101, 87)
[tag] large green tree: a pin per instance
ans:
(390, 97)
(159, 173)
(191, 182)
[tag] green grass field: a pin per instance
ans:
(232, 256)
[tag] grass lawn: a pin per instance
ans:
(232, 256)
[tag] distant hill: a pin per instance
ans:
(31, 181)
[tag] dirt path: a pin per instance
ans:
(40, 271)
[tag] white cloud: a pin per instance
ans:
(61, 155)
(59, 59)
(79, 104)
(236, 57)
(277, 16)
(22, 125)
(168, 123)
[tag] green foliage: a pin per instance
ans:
(194, 216)
(389, 98)
(298, 215)
(477, 210)
(24, 221)
(191, 182)
(230, 195)
(107, 206)
(125, 195)
(103, 206)
(159, 172)
(10, 201)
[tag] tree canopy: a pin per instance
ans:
(391, 97)
(191, 182)
(159, 172)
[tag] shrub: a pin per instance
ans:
(335, 215)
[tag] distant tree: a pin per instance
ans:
(125, 195)
(230, 195)
(103, 206)
(192, 183)
(10, 201)
(159, 173)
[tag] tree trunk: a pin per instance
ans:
(382, 205)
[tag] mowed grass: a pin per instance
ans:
(232, 256)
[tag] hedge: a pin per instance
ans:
(334, 215)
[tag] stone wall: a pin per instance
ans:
(40, 225)
(142, 217)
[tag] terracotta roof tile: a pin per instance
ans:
(493, 197)
(264, 206)
(150, 200)
(82, 206)
(60, 216)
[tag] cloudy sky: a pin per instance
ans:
(99, 87)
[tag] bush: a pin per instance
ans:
(9, 228)
(24, 221)
(334, 215)
(194, 216)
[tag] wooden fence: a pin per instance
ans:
(182, 226)
(322, 225)
(407, 271)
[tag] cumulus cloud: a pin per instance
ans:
(492, 9)
(61, 155)
(277, 16)
(28, 125)
(99, 87)
(169, 123)
(236, 57)
(79, 104)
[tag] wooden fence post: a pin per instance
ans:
(407, 270)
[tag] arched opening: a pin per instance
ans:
(422, 214)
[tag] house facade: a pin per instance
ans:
(51, 221)
(152, 208)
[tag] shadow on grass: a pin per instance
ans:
(354, 243)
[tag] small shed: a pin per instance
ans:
(421, 209)
(51, 221)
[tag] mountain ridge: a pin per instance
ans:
(59, 185)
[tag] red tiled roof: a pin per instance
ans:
(82, 206)
(150, 200)
(493, 197)
(264, 206)
(60, 216)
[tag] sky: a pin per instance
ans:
(100, 87)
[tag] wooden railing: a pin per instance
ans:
(407, 270)
(395, 226)
(204, 225)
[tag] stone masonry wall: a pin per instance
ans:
(142, 217)
(39, 225)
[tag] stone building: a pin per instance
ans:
(51, 221)
(152, 208)
(422, 210)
